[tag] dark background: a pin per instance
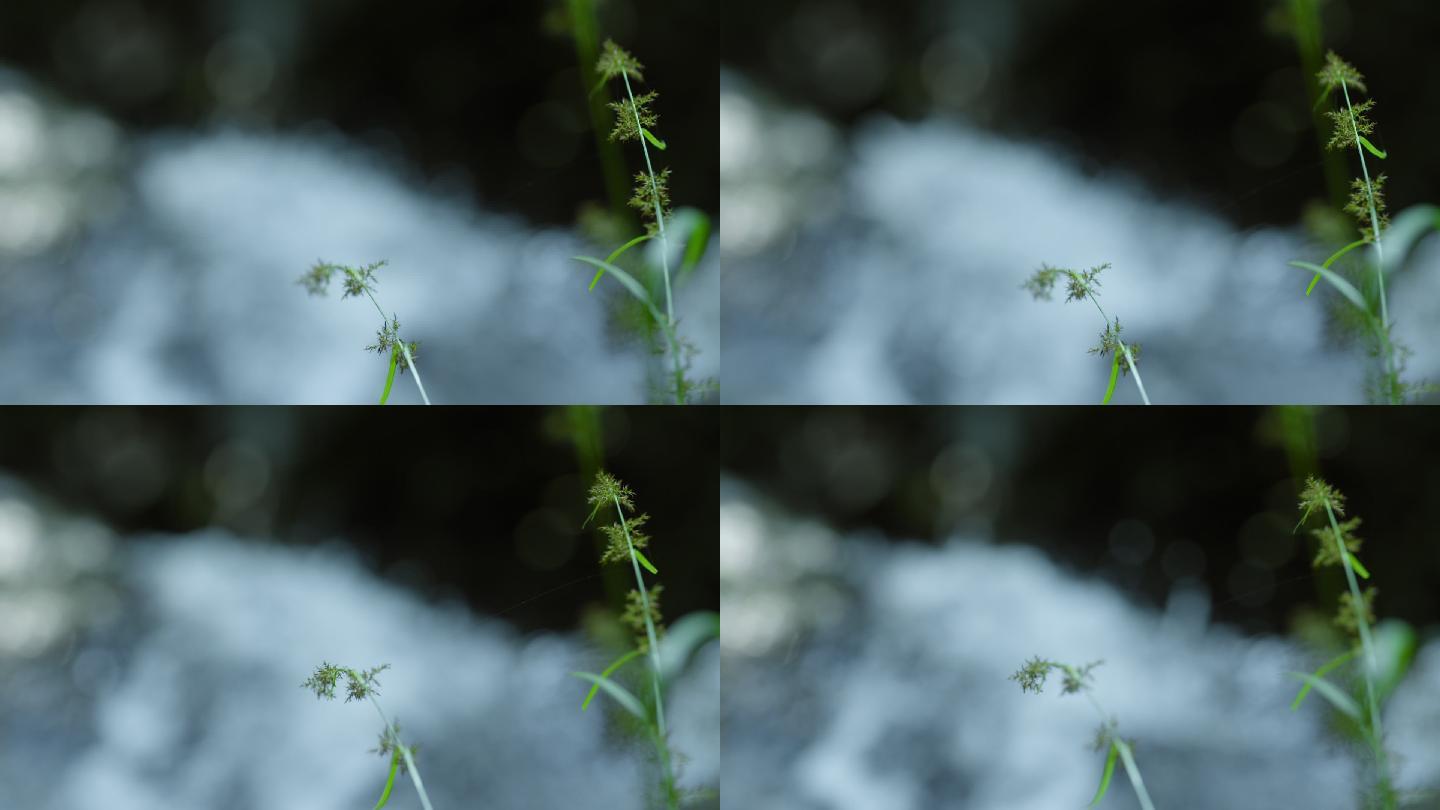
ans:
(484, 505)
(477, 95)
(1202, 101)
(1215, 489)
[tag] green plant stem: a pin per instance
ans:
(655, 193)
(1127, 757)
(1371, 664)
(404, 349)
(1129, 360)
(1379, 253)
(661, 745)
(404, 752)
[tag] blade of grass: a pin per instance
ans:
(390, 377)
(645, 237)
(649, 566)
(1321, 673)
(1370, 147)
(1114, 375)
(389, 780)
(1342, 702)
(608, 671)
(628, 282)
(1344, 287)
(627, 701)
(1337, 254)
(1105, 778)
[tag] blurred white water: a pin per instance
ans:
(875, 676)
(165, 272)
(180, 687)
(886, 268)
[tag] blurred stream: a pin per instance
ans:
(164, 672)
(874, 675)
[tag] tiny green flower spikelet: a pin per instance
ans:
(635, 615)
(615, 62)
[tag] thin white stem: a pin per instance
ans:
(1129, 360)
(404, 349)
(1372, 666)
(1133, 771)
(1379, 246)
(655, 194)
(1126, 756)
(394, 735)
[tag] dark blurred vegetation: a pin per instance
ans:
(1147, 498)
(479, 96)
(484, 505)
(1206, 102)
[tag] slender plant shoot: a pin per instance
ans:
(361, 281)
(1076, 679)
(626, 542)
(1084, 285)
(1337, 544)
(363, 685)
(636, 120)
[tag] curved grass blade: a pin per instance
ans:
(390, 780)
(1344, 287)
(1355, 564)
(390, 378)
(649, 566)
(1395, 644)
(627, 701)
(1370, 147)
(1342, 702)
(644, 237)
(1320, 673)
(1114, 375)
(628, 281)
(1337, 254)
(696, 243)
(1409, 226)
(1105, 778)
(684, 638)
(610, 670)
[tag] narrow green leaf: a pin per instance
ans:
(684, 638)
(1342, 702)
(1407, 229)
(1114, 375)
(1339, 283)
(610, 670)
(1337, 254)
(1105, 778)
(390, 780)
(390, 378)
(646, 563)
(627, 701)
(654, 141)
(644, 237)
(1395, 644)
(1320, 673)
(1355, 564)
(1371, 148)
(628, 281)
(697, 243)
